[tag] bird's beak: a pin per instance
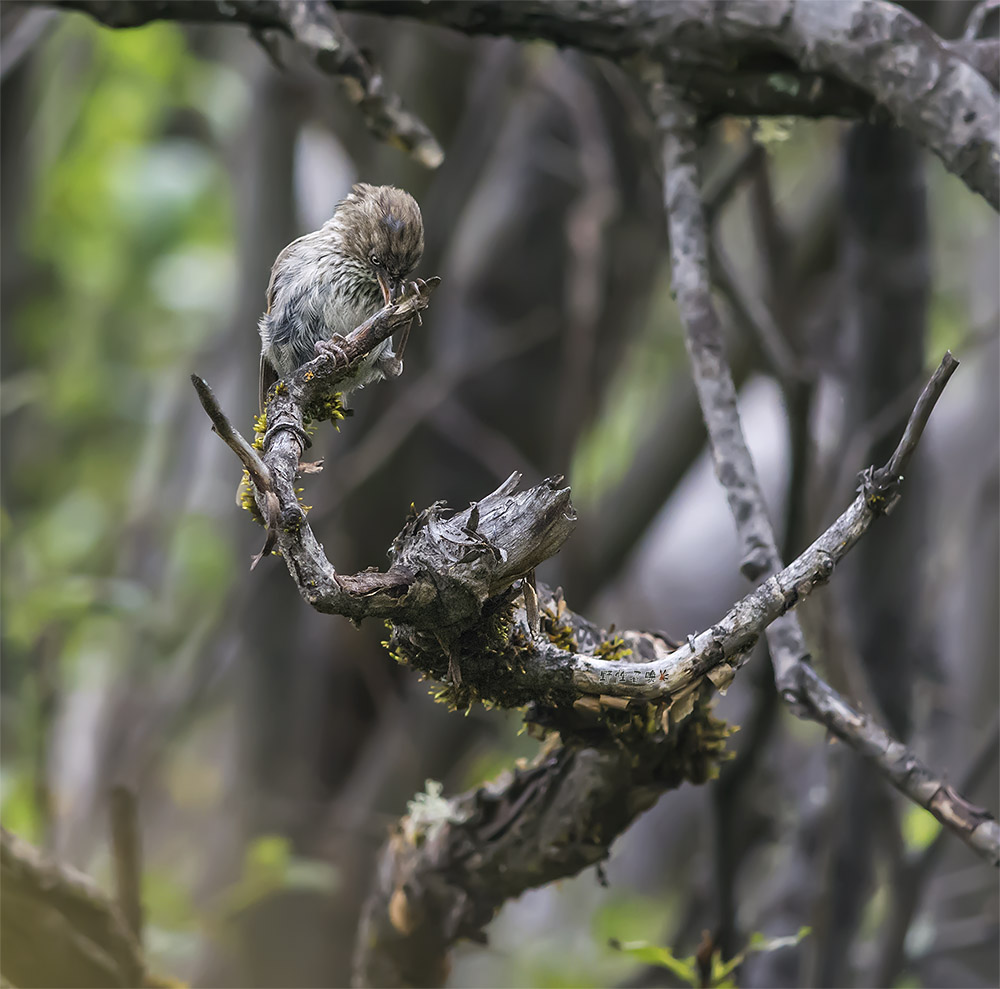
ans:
(391, 290)
(386, 286)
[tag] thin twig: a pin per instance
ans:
(974, 25)
(587, 220)
(316, 27)
(881, 487)
(260, 474)
(915, 874)
(755, 316)
(724, 182)
(126, 847)
(915, 425)
(231, 436)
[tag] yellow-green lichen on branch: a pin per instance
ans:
(560, 633)
(612, 649)
(259, 429)
(325, 408)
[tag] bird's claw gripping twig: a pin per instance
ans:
(419, 291)
(334, 347)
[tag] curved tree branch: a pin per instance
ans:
(749, 57)
(885, 54)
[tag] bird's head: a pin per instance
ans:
(383, 231)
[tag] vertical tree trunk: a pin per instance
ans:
(887, 283)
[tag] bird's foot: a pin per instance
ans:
(420, 289)
(334, 347)
(391, 367)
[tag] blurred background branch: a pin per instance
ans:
(59, 928)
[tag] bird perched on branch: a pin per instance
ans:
(327, 283)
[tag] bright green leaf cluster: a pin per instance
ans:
(707, 968)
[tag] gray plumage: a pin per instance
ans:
(330, 281)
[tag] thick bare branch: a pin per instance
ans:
(749, 57)
(452, 863)
(857, 53)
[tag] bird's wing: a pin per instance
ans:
(277, 266)
(268, 376)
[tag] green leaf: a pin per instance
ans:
(761, 943)
(168, 902)
(641, 917)
(18, 811)
(722, 970)
(919, 827)
(651, 954)
(268, 854)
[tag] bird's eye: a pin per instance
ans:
(375, 261)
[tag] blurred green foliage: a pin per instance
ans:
(126, 241)
(920, 827)
(605, 451)
(269, 865)
(708, 967)
(573, 951)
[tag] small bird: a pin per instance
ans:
(327, 283)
